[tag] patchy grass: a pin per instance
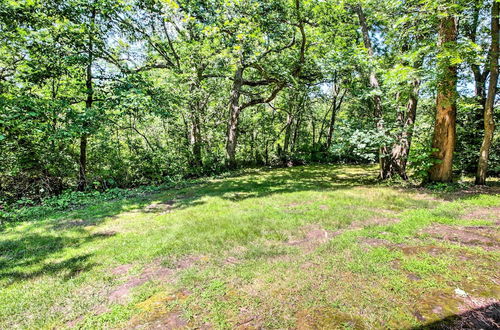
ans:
(305, 247)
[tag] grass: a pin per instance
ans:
(305, 247)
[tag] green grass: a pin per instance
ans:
(249, 251)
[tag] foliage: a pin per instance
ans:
(28, 209)
(146, 85)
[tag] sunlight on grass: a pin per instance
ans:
(274, 248)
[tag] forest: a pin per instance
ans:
(102, 94)
(249, 164)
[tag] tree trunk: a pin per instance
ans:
(296, 132)
(331, 128)
(195, 137)
(82, 172)
(335, 108)
(377, 100)
(479, 77)
(195, 129)
(288, 134)
(401, 149)
(444, 138)
(489, 123)
(234, 114)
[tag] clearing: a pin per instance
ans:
(306, 247)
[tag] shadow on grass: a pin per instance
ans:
(486, 317)
(263, 183)
(25, 257)
(30, 251)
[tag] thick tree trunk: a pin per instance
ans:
(234, 114)
(377, 100)
(489, 123)
(444, 138)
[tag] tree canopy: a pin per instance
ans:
(96, 94)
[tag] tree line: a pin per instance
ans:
(118, 93)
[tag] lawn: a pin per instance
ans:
(307, 247)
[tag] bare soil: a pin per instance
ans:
(481, 236)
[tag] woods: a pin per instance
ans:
(249, 164)
(102, 94)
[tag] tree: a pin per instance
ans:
(444, 137)
(249, 58)
(489, 123)
(383, 154)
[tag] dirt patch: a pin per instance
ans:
(313, 236)
(413, 277)
(231, 261)
(101, 309)
(484, 213)
(188, 261)
(106, 233)
(152, 272)
(121, 270)
(482, 236)
(247, 320)
(74, 223)
(294, 207)
(471, 191)
(326, 318)
(161, 207)
(74, 322)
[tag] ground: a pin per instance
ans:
(312, 247)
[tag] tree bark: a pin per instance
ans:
(489, 123)
(444, 138)
(234, 114)
(377, 100)
(479, 76)
(406, 120)
(296, 131)
(82, 172)
(336, 104)
(288, 134)
(195, 128)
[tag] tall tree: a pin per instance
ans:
(489, 123)
(377, 99)
(444, 137)
(89, 101)
(248, 59)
